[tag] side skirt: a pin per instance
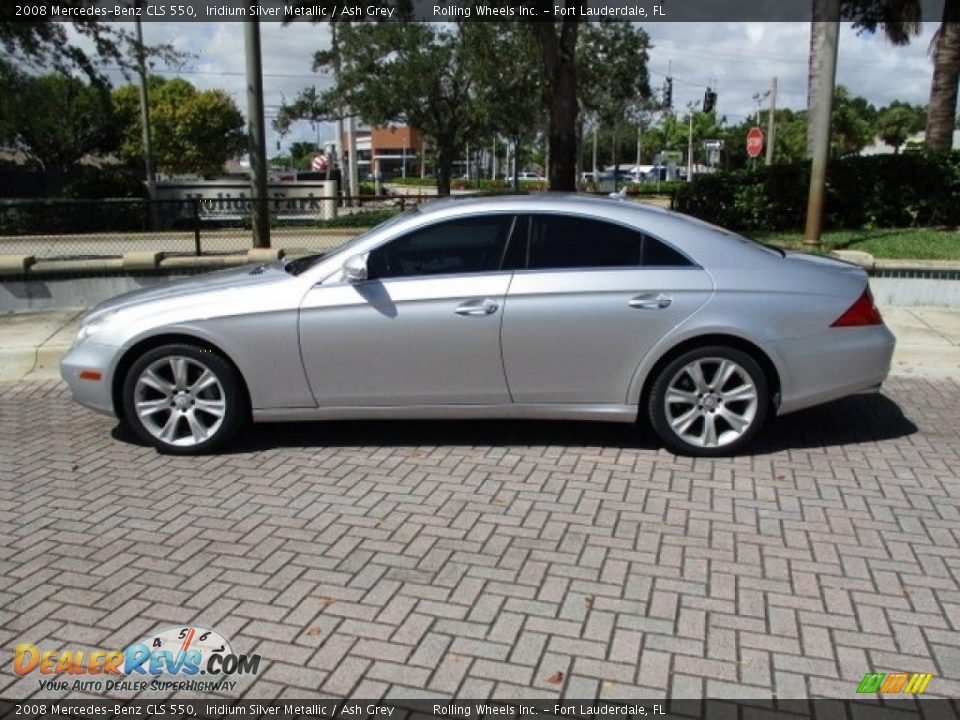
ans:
(545, 411)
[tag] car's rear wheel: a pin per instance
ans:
(183, 399)
(709, 401)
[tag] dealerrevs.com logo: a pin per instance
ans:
(169, 660)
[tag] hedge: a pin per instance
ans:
(912, 190)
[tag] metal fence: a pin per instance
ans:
(72, 229)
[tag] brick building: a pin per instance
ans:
(395, 149)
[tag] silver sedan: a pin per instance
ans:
(547, 307)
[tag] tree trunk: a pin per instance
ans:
(445, 153)
(814, 67)
(941, 115)
(559, 64)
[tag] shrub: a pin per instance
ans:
(56, 217)
(104, 182)
(919, 189)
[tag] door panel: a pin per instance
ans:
(406, 341)
(579, 335)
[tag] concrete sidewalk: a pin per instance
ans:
(32, 343)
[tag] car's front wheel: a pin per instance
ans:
(183, 399)
(709, 401)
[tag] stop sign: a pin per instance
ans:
(754, 142)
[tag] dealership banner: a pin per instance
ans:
(357, 709)
(426, 10)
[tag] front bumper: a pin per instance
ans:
(94, 394)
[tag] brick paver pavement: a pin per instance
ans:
(470, 559)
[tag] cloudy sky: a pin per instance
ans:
(737, 59)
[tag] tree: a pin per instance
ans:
(852, 122)
(408, 72)
(612, 71)
(558, 45)
(897, 122)
(193, 131)
(503, 61)
(57, 119)
(941, 116)
(899, 20)
(43, 44)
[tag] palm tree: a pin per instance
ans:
(941, 115)
(899, 19)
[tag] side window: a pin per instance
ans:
(562, 241)
(658, 254)
(468, 245)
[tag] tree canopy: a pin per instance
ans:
(57, 119)
(194, 131)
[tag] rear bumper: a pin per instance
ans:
(838, 362)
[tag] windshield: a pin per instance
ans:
(295, 267)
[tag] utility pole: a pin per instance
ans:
(352, 157)
(691, 109)
(771, 123)
(145, 120)
(255, 128)
(821, 125)
(335, 47)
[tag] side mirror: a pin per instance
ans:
(355, 268)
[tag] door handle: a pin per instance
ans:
(474, 308)
(651, 301)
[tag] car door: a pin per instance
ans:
(424, 329)
(592, 298)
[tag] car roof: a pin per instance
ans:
(705, 243)
(548, 201)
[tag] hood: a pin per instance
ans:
(239, 277)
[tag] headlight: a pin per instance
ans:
(91, 326)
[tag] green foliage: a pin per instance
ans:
(612, 71)
(362, 219)
(487, 185)
(406, 72)
(878, 191)
(193, 131)
(104, 182)
(417, 181)
(57, 119)
(58, 217)
(851, 124)
(911, 243)
(80, 45)
(898, 121)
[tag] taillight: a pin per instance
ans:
(862, 312)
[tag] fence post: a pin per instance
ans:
(196, 225)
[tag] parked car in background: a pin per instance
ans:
(544, 306)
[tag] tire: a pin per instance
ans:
(686, 404)
(184, 400)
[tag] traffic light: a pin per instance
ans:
(709, 100)
(668, 93)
